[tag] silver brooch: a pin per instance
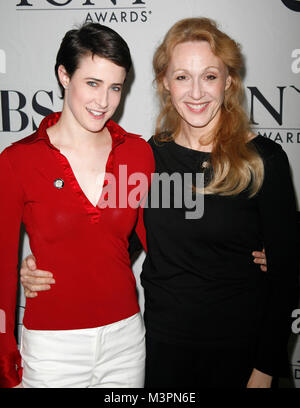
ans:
(59, 183)
(205, 165)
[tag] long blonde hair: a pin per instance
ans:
(236, 163)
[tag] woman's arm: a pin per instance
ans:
(277, 206)
(35, 280)
(11, 210)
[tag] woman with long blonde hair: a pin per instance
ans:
(213, 319)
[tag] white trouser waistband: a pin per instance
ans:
(102, 357)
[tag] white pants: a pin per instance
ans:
(101, 357)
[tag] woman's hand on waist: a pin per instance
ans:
(261, 259)
(34, 280)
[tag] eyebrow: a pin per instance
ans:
(205, 69)
(100, 80)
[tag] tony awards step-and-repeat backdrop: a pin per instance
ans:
(268, 30)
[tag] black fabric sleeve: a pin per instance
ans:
(135, 244)
(277, 207)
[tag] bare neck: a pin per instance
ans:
(68, 133)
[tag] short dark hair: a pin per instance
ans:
(95, 39)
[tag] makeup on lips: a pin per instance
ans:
(197, 108)
(95, 114)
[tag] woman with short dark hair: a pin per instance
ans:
(56, 182)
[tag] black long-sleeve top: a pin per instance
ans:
(201, 285)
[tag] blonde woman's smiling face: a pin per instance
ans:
(197, 79)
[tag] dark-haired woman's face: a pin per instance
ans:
(93, 92)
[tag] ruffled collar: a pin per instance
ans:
(118, 135)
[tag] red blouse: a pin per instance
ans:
(84, 246)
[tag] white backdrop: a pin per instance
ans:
(269, 31)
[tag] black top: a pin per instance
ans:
(201, 285)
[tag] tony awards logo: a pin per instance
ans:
(98, 11)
